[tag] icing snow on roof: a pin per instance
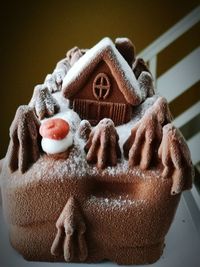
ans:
(105, 50)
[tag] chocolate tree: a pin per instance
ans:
(70, 238)
(43, 102)
(142, 145)
(176, 159)
(24, 148)
(102, 146)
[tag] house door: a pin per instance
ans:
(104, 110)
(94, 111)
(87, 110)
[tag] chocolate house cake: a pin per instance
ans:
(94, 168)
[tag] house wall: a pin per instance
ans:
(86, 92)
(114, 106)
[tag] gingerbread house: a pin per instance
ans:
(101, 84)
(76, 193)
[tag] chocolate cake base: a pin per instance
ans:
(126, 216)
(39, 249)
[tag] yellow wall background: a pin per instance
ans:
(36, 34)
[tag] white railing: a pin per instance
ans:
(183, 75)
(150, 53)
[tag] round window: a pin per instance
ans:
(101, 86)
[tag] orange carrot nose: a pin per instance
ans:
(54, 129)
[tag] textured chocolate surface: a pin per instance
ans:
(43, 102)
(102, 146)
(24, 148)
(111, 195)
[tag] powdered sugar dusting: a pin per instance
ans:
(76, 166)
(117, 202)
(125, 130)
(63, 102)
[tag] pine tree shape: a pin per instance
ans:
(70, 238)
(102, 146)
(84, 130)
(175, 157)
(74, 54)
(139, 66)
(142, 145)
(145, 81)
(43, 102)
(24, 148)
(54, 81)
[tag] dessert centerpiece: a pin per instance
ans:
(94, 168)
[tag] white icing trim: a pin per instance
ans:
(51, 146)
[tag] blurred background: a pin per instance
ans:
(37, 34)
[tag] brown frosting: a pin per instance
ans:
(24, 147)
(102, 146)
(176, 159)
(43, 102)
(70, 237)
(141, 146)
(154, 131)
(161, 109)
(126, 49)
(84, 130)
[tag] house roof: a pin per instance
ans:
(105, 51)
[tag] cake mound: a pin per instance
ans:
(94, 169)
